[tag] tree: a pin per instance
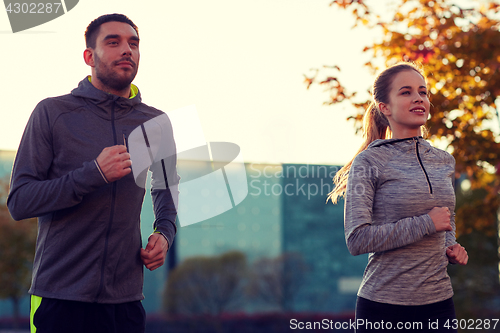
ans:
(277, 281)
(17, 248)
(206, 285)
(460, 51)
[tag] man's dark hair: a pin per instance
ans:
(94, 27)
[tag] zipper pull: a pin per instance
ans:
(125, 142)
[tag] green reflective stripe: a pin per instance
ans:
(35, 303)
(133, 91)
(133, 88)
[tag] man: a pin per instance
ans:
(73, 172)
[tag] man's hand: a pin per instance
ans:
(457, 254)
(114, 162)
(155, 253)
(441, 218)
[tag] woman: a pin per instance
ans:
(399, 204)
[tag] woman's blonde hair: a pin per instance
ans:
(375, 124)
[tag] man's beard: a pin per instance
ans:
(111, 78)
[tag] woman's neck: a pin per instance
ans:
(403, 133)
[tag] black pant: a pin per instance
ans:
(381, 317)
(60, 316)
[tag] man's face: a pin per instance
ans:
(116, 55)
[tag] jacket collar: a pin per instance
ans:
(402, 144)
(105, 102)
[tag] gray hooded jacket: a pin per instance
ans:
(89, 238)
(392, 185)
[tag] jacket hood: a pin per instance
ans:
(105, 101)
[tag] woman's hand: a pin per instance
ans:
(441, 218)
(457, 254)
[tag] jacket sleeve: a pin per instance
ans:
(451, 238)
(165, 183)
(451, 235)
(362, 236)
(32, 192)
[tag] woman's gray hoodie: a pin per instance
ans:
(392, 186)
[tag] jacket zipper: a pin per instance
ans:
(422, 166)
(111, 214)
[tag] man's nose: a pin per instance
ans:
(127, 50)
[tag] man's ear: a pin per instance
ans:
(88, 56)
(384, 108)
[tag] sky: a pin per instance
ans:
(241, 63)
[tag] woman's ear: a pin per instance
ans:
(384, 108)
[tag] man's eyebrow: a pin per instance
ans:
(111, 37)
(116, 36)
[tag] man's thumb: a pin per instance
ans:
(151, 243)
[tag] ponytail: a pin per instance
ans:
(375, 126)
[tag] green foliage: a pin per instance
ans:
(17, 249)
(226, 283)
(276, 281)
(206, 285)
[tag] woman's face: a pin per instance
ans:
(408, 106)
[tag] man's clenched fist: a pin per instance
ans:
(114, 162)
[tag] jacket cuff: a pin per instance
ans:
(431, 228)
(100, 171)
(88, 178)
(167, 230)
